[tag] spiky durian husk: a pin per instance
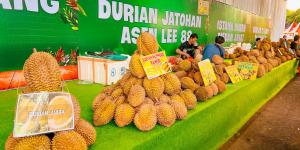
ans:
(136, 67)
(68, 140)
(87, 131)
(189, 98)
(147, 44)
(172, 84)
(136, 95)
(42, 73)
(124, 115)
(166, 115)
(145, 119)
(188, 83)
(34, 142)
(154, 87)
(77, 109)
(105, 113)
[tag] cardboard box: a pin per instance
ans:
(99, 70)
(108, 72)
(85, 68)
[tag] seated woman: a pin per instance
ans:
(214, 49)
(189, 49)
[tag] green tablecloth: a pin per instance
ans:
(207, 127)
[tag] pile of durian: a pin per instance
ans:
(147, 102)
(41, 72)
(267, 56)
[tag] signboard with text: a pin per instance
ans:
(39, 113)
(207, 72)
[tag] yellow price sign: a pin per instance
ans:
(156, 64)
(207, 72)
(247, 70)
(233, 74)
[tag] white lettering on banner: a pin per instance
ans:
(260, 30)
(130, 37)
(31, 5)
(117, 13)
(5, 4)
(169, 36)
(129, 12)
(51, 10)
(184, 20)
(104, 9)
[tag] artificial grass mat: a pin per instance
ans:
(206, 127)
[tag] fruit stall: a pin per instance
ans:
(137, 94)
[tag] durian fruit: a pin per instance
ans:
(164, 98)
(261, 60)
(215, 89)
(117, 92)
(232, 56)
(191, 74)
(147, 44)
(68, 140)
(104, 113)
(261, 71)
(172, 84)
(11, 142)
(254, 52)
(209, 91)
(181, 74)
(179, 108)
(124, 78)
(188, 83)
(124, 115)
(177, 98)
(166, 115)
(87, 131)
(108, 90)
(136, 67)
(189, 98)
(42, 73)
(283, 59)
(97, 100)
(185, 65)
(198, 78)
(76, 108)
(225, 77)
(219, 69)
(268, 54)
(195, 65)
(145, 119)
(216, 59)
(221, 86)
(120, 100)
(201, 94)
(270, 67)
(34, 142)
(154, 87)
(266, 67)
(136, 95)
(131, 81)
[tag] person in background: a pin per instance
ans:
(284, 42)
(257, 42)
(190, 49)
(295, 43)
(214, 49)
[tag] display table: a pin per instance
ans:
(208, 126)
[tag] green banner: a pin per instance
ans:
(236, 25)
(92, 26)
(114, 25)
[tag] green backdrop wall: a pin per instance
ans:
(21, 30)
(236, 25)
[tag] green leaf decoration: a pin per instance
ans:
(81, 10)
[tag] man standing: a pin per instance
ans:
(214, 49)
(189, 49)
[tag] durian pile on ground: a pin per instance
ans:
(42, 73)
(266, 56)
(146, 102)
